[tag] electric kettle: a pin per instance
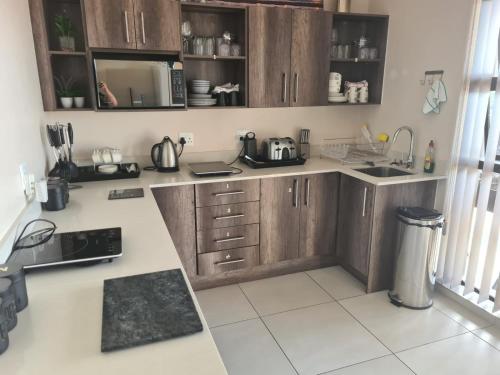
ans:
(164, 156)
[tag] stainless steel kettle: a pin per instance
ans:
(164, 156)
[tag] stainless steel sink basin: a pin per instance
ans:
(383, 172)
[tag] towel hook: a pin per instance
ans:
(431, 73)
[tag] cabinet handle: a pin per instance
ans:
(143, 29)
(296, 89)
(222, 262)
(127, 36)
(229, 217)
(230, 239)
(295, 192)
(364, 201)
(229, 193)
(308, 191)
(284, 85)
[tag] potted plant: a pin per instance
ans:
(66, 32)
(65, 90)
(79, 98)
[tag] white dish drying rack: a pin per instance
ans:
(354, 150)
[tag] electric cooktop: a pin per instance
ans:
(84, 247)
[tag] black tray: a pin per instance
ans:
(88, 173)
(262, 163)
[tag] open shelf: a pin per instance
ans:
(213, 57)
(68, 53)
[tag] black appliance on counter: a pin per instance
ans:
(82, 247)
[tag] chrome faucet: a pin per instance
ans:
(410, 162)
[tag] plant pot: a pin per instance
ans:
(79, 101)
(67, 43)
(66, 102)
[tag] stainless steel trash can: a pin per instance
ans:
(419, 236)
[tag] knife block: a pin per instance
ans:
(305, 152)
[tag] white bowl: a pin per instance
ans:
(107, 168)
(200, 90)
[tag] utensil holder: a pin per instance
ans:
(305, 151)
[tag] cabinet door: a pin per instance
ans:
(176, 205)
(318, 214)
(110, 23)
(269, 40)
(310, 64)
(279, 219)
(157, 25)
(354, 224)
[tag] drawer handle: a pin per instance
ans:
(364, 201)
(230, 239)
(127, 36)
(229, 217)
(229, 193)
(222, 262)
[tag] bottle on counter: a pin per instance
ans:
(429, 162)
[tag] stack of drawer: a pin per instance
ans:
(227, 224)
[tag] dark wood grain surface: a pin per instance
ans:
(157, 25)
(227, 238)
(227, 192)
(310, 57)
(228, 260)
(269, 56)
(228, 215)
(176, 205)
(318, 214)
(279, 219)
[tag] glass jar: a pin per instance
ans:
(364, 53)
(198, 45)
(373, 53)
(209, 46)
(224, 49)
(235, 49)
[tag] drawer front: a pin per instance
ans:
(227, 192)
(228, 260)
(228, 215)
(228, 238)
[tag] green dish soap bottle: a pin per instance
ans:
(429, 158)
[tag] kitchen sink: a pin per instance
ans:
(383, 172)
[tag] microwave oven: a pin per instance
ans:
(126, 81)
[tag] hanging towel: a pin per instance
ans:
(434, 98)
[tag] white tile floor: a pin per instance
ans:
(321, 322)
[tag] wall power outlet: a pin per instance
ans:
(188, 137)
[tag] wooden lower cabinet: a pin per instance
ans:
(228, 238)
(176, 204)
(228, 260)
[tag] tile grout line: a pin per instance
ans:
(238, 321)
(268, 330)
(362, 325)
(355, 364)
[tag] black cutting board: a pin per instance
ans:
(147, 308)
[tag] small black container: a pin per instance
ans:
(4, 332)
(58, 194)
(234, 98)
(8, 305)
(222, 99)
(15, 273)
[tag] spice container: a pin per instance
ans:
(8, 305)
(4, 332)
(15, 273)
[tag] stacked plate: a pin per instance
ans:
(334, 85)
(336, 97)
(200, 86)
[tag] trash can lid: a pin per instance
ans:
(419, 213)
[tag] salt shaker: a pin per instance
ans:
(8, 305)
(15, 273)
(4, 332)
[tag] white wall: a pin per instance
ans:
(423, 35)
(20, 109)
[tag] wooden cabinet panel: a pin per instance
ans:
(355, 224)
(227, 192)
(318, 214)
(228, 238)
(269, 56)
(279, 219)
(176, 205)
(228, 260)
(110, 23)
(228, 215)
(310, 57)
(157, 25)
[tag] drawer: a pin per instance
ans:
(228, 260)
(228, 238)
(227, 215)
(227, 192)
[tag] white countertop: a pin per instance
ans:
(60, 330)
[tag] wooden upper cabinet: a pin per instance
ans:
(269, 42)
(310, 53)
(157, 25)
(279, 219)
(318, 214)
(110, 23)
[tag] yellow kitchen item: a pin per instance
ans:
(383, 137)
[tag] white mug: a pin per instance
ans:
(352, 94)
(363, 95)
